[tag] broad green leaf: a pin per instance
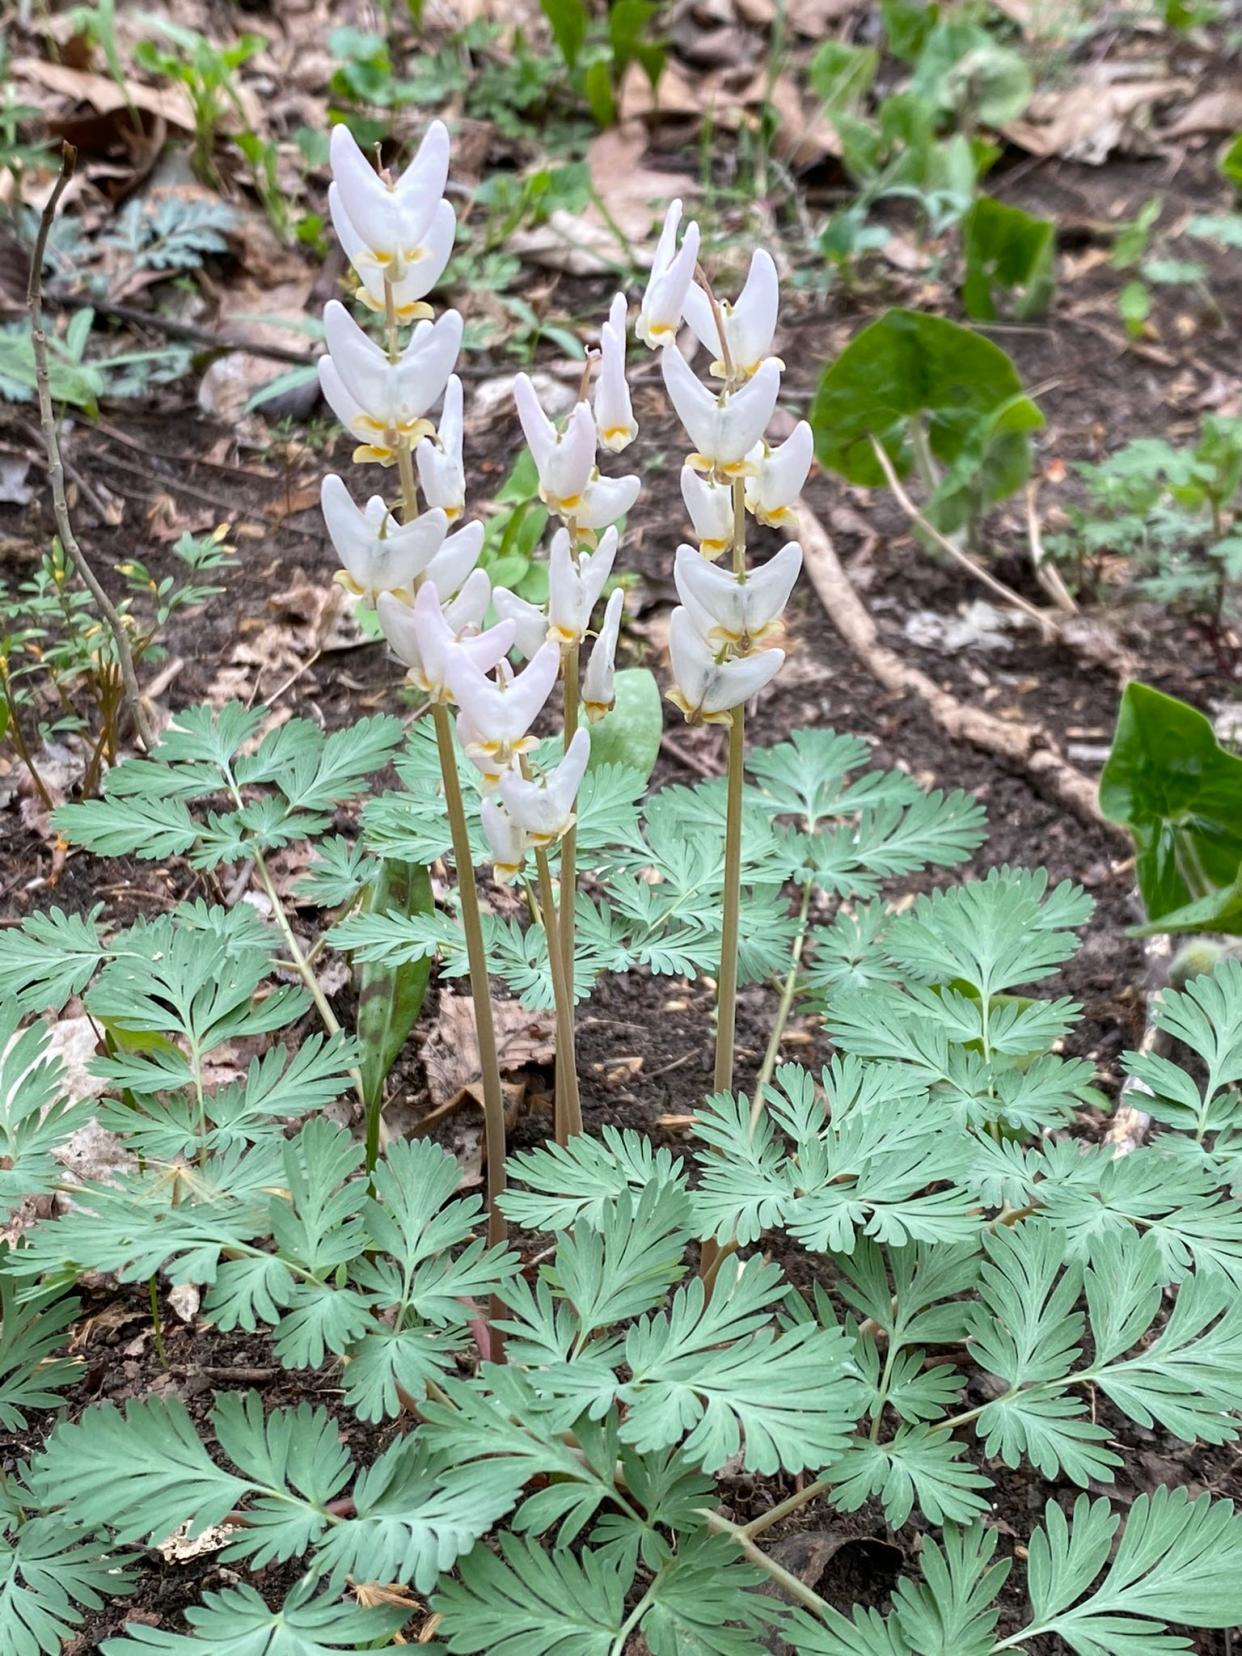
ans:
(962, 389)
(1169, 781)
(390, 998)
(526, 1601)
(629, 735)
(1006, 248)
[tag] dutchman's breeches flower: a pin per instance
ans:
(428, 636)
(565, 459)
(379, 553)
(530, 621)
(505, 840)
(574, 589)
(383, 403)
(543, 807)
(724, 427)
(422, 267)
(707, 685)
(441, 472)
(779, 476)
(496, 714)
(391, 220)
(614, 411)
(749, 324)
(710, 506)
(672, 271)
(740, 612)
(599, 681)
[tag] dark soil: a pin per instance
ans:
(1095, 393)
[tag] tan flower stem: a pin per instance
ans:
(480, 986)
(468, 892)
(726, 1017)
(569, 844)
(568, 1106)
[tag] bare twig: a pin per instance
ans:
(1025, 746)
(1006, 594)
(1047, 574)
(55, 465)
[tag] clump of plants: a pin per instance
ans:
(1161, 517)
(568, 1371)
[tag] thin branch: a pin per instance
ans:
(55, 465)
(1006, 594)
(1047, 574)
(785, 1579)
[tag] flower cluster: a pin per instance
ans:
(432, 599)
(723, 635)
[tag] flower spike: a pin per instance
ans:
(724, 428)
(379, 554)
(749, 323)
(672, 271)
(384, 402)
(706, 689)
(599, 681)
(501, 713)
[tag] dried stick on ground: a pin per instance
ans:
(1027, 747)
(55, 465)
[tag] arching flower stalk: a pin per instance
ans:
(430, 597)
(724, 638)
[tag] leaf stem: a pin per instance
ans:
(784, 1007)
(796, 1589)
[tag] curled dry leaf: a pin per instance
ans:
(450, 1051)
(1088, 121)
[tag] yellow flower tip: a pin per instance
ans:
(700, 463)
(595, 711)
(564, 636)
(416, 311)
(371, 454)
(711, 549)
(506, 871)
(343, 578)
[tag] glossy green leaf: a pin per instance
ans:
(964, 392)
(629, 735)
(1006, 248)
(391, 997)
(1169, 781)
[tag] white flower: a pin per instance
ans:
(381, 402)
(530, 621)
(599, 680)
(729, 610)
(454, 562)
(563, 459)
(421, 267)
(605, 499)
(496, 714)
(779, 476)
(441, 473)
(379, 554)
(614, 412)
(710, 506)
(672, 271)
(723, 427)
(573, 592)
(505, 839)
(427, 636)
(749, 323)
(708, 689)
(543, 807)
(391, 219)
